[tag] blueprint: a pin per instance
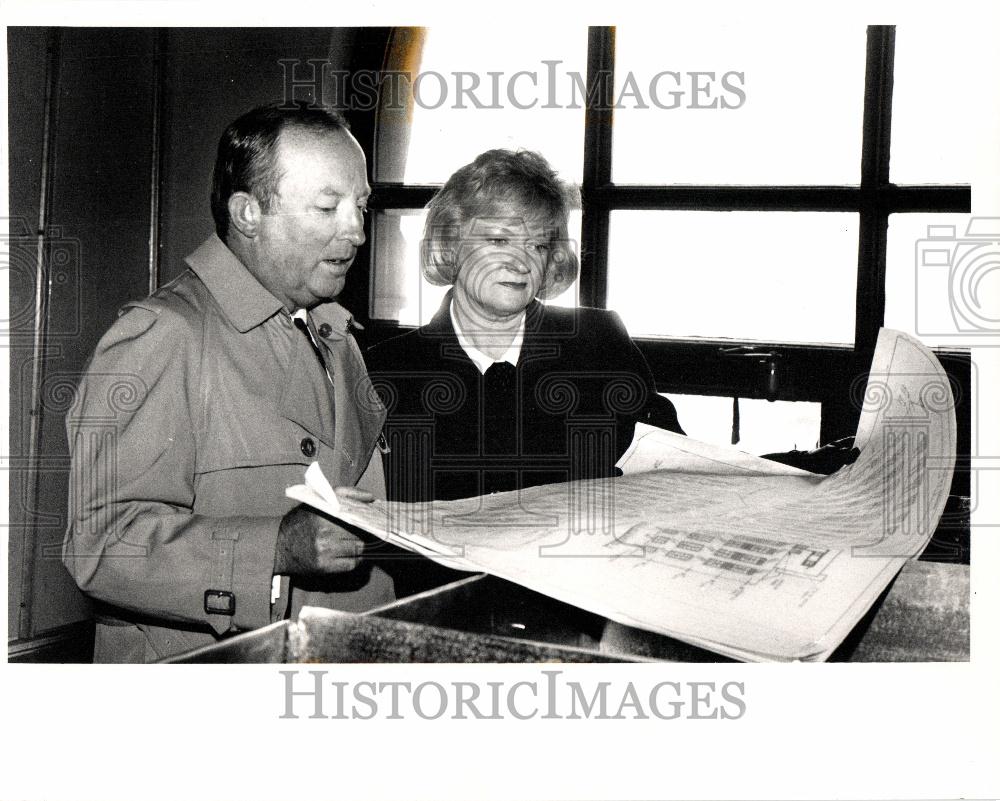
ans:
(746, 557)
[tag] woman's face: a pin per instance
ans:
(501, 263)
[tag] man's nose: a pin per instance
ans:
(353, 229)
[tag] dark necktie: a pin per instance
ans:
(303, 326)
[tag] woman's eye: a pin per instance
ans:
(541, 247)
(363, 210)
(498, 240)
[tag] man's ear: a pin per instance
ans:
(244, 213)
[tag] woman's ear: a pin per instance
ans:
(244, 213)
(557, 281)
(561, 271)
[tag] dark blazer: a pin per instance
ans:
(567, 411)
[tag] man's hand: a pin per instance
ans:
(311, 544)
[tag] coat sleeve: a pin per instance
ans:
(658, 411)
(133, 539)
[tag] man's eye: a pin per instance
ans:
(326, 209)
(498, 240)
(540, 247)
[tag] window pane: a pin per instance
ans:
(765, 427)
(787, 103)
(443, 128)
(945, 104)
(943, 278)
(766, 276)
(399, 290)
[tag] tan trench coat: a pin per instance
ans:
(199, 407)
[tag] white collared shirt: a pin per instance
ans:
(482, 361)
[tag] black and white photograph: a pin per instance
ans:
(501, 403)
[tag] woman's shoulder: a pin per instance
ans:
(412, 349)
(391, 351)
(583, 321)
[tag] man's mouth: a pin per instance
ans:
(339, 264)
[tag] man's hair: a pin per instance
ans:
(500, 179)
(247, 159)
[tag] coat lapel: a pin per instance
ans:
(307, 398)
(360, 413)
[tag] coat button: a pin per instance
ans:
(308, 447)
(325, 330)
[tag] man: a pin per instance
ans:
(206, 400)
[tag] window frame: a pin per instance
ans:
(809, 372)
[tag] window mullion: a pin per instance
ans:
(597, 166)
(874, 222)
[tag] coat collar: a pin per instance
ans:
(340, 320)
(243, 299)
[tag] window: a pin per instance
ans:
(945, 112)
(756, 275)
(736, 187)
(732, 99)
(465, 97)
(763, 427)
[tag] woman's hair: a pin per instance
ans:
(500, 179)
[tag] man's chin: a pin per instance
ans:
(329, 292)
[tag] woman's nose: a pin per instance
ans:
(517, 261)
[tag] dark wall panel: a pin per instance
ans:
(26, 86)
(212, 76)
(98, 243)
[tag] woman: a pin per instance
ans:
(499, 391)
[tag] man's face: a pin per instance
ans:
(502, 263)
(307, 241)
